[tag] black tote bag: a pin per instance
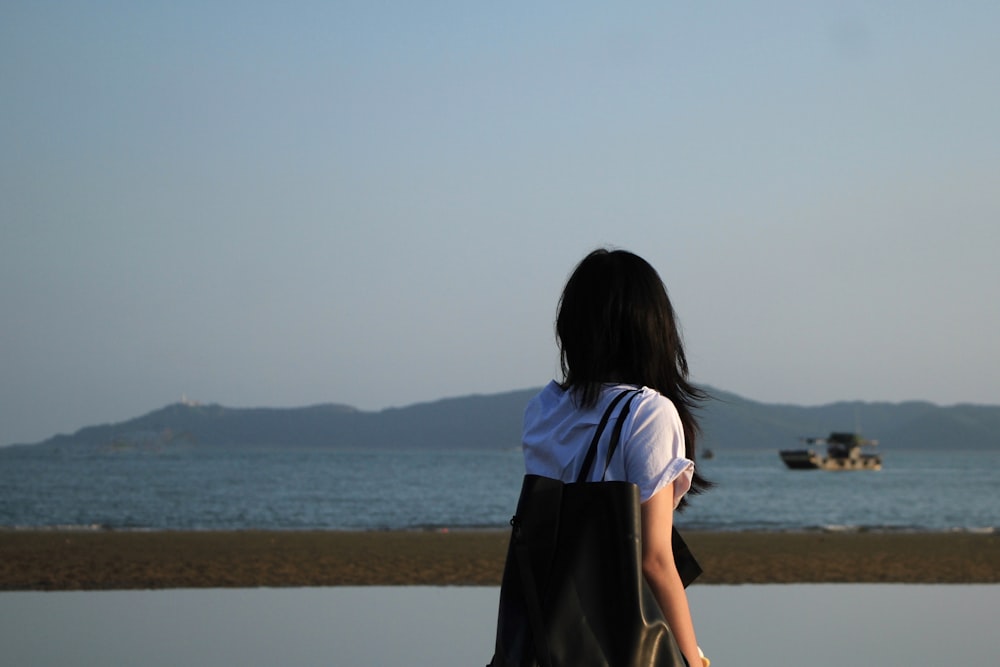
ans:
(573, 593)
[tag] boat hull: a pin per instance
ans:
(807, 459)
(801, 459)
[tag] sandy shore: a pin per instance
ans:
(53, 560)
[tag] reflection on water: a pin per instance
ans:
(749, 626)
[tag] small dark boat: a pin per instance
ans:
(843, 452)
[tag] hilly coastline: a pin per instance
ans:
(493, 422)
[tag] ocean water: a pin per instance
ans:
(288, 488)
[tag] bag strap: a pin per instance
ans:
(588, 460)
(616, 434)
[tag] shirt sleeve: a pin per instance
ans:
(655, 454)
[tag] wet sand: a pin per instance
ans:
(107, 560)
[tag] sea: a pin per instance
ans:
(289, 488)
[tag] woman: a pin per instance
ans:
(616, 329)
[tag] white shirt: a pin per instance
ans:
(651, 453)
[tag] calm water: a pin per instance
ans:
(744, 626)
(290, 489)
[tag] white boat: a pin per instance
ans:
(843, 452)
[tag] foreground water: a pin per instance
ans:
(749, 626)
(291, 489)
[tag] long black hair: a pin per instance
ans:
(616, 324)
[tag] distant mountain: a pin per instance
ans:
(731, 421)
(494, 422)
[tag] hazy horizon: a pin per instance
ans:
(184, 399)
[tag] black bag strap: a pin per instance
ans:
(616, 434)
(588, 460)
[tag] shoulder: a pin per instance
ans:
(655, 452)
(654, 428)
(551, 399)
(551, 393)
(650, 407)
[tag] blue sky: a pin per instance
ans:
(377, 203)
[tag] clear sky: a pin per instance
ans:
(377, 203)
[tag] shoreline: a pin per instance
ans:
(81, 559)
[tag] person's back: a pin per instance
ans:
(616, 328)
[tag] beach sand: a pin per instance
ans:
(106, 560)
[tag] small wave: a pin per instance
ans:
(81, 528)
(846, 528)
(982, 530)
(834, 528)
